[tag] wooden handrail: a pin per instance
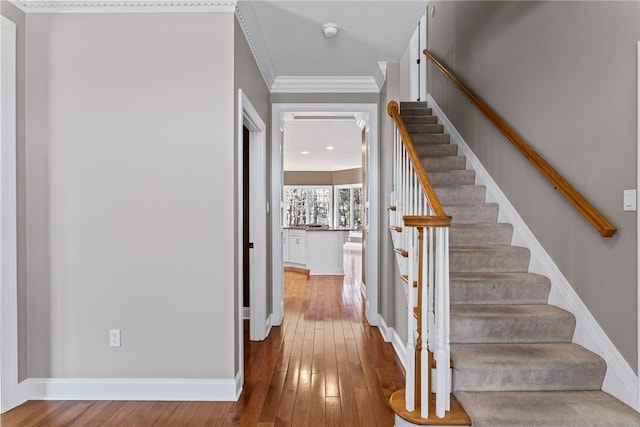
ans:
(595, 217)
(394, 111)
(426, 221)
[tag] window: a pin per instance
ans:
(348, 208)
(338, 207)
(307, 205)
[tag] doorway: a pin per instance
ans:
(252, 239)
(367, 117)
(246, 222)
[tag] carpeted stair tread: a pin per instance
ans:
(499, 288)
(436, 150)
(478, 213)
(444, 163)
(413, 104)
(461, 194)
(430, 138)
(424, 120)
(494, 234)
(502, 258)
(526, 367)
(547, 409)
(452, 178)
(422, 128)
(506, 323)
(414, 111)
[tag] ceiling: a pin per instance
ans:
(293, 55)
(306, 140)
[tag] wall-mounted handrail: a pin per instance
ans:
(394, 111)
(595, 217)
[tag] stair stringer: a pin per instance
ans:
(620, 381)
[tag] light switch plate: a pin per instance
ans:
(630, 200)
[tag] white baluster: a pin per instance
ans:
(424, 353)
(411, 338)
(442, 363)
(429, 256)
(447, 318)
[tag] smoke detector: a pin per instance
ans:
(330, 30)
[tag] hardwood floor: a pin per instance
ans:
(323, 367)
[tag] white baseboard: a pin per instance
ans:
(385, 330)
(620, 381)
(246, 313)
(130, 389)
(268, 326)
(239, 382)
(400, 348)
(389, 334)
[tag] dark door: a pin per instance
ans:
(365, 198)
(245, 218)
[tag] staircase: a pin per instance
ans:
(514, 362)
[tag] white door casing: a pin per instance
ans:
(8, 240)
(258, 323)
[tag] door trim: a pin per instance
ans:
(369, 114)
(248, 116)
(8, 222)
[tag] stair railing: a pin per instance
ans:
(582, 205)
(424, 226)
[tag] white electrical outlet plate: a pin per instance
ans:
(630, 200)
(114, 337)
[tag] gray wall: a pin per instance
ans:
(393, 302)
(129, 159)
(248, 78)
(346, 176)
(563, 74)
(14, 14)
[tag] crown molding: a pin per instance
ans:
(246, 18)
(381, 74)
(123, 6)
(325, 84)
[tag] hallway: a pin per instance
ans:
(323, 367)
(332, 368)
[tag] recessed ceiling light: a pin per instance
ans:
(329, 147)
(305, 152)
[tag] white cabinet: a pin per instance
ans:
(320, 251)
(285, 246)
(297, 247)
(325, 252)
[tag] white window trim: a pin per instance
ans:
(336, 189)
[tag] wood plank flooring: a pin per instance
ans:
(323, 367)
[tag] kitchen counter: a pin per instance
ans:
(318, 249)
